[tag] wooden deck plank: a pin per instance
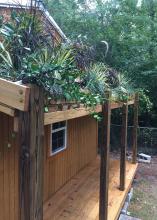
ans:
(117, 197)
(79, 198)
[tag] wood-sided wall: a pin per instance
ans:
(9, 195)
(81, 149)
(58, 169)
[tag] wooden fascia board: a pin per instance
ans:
(115, 105)
(7, 110)
(53, 117)
(14, 95)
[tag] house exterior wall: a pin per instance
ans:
(5, 12)
(9, 166)
(81, 150)
(58, 169)
(47, 26)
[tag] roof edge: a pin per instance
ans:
(46, 14)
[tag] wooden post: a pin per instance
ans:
(135, 129)
(104, 154)
(123, 146)
(31, 125)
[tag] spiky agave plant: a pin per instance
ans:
(95, 79)
(6, 64)
(124, 89)
(22, 35)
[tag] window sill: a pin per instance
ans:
(52, 155)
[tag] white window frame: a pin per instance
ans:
(65, 139)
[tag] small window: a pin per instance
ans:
(58, 137)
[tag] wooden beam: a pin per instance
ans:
(32, 157)
(16, 124)
(131, 102)
(115, 105)
(123, 146)
(14, 95)
(104, 164)
(53, 117)
(135, 129)
(7, 110)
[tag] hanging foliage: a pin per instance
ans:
(66, 72)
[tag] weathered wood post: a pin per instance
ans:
(135, 129)
(31, 157)
(123, 146)
(104, 155)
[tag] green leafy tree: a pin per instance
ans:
(129, 28)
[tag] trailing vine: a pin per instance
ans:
(65, 72)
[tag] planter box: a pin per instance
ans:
(16, 96)
(53, 117)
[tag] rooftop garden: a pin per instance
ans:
(68, 72)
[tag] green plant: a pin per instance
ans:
(145, 103)
(124, 88)
(21, 36)
(95, 79)
(65, 72)
(6, 66)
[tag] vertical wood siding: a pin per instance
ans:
(81, 149)
(58, 169)
(9, 207)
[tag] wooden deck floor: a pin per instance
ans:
(79, 198)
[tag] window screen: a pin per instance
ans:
(58, 137)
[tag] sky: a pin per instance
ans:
(25, 2)
(139, 3)
(18, 2)
(92, 3)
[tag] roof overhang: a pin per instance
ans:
(26, 5)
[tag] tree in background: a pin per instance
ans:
(129, 28)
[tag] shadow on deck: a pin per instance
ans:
(79, 198)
